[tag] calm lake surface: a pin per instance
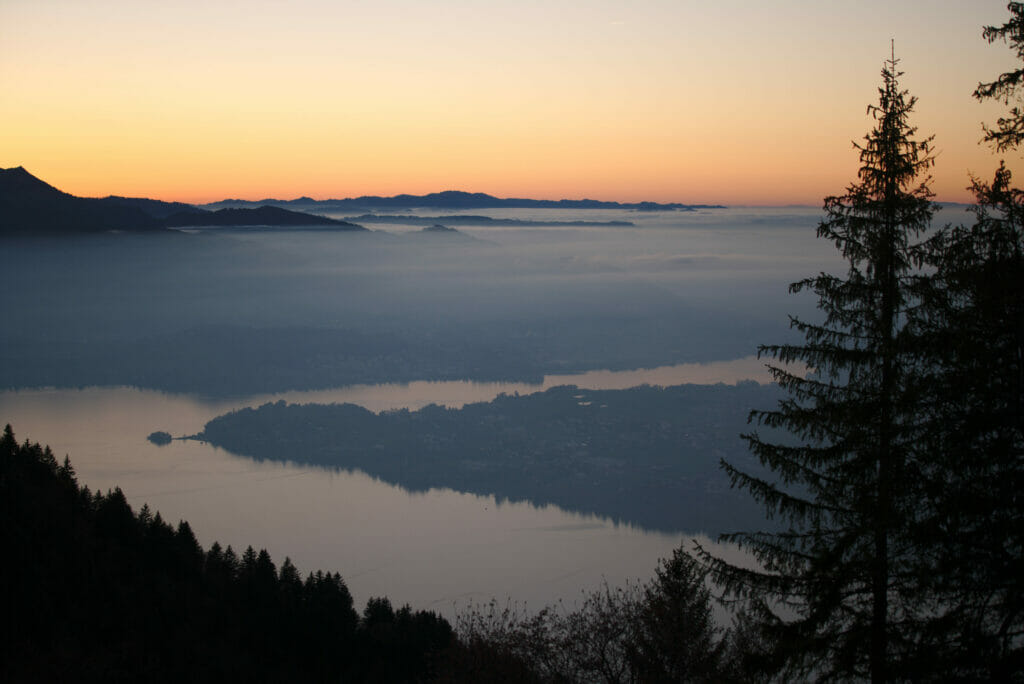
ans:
(443, 549)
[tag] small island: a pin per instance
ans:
(160, 438)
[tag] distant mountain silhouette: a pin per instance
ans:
(456, 199)
(262, 216)
(29, 206)
(155, 208)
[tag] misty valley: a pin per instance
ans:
(435, 333)
(224, 315)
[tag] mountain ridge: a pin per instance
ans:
(458, 199)
(30, 206)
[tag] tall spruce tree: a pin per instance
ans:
(839, 448)
(970, 327)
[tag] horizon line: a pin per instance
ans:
(710, 204)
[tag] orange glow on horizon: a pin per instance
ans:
(657, 101)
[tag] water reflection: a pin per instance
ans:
(439, 549)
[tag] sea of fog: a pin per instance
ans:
(111, 338)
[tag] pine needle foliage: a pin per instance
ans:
(1009, 130)
(970, 328)
(840, 446)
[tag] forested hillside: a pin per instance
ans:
(95, 591)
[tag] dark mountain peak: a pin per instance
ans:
(16, 172)
(30, 206)
(17, 183)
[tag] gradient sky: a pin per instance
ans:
(666, 100)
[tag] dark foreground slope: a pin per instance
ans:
(94, 591)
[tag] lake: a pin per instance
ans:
(440, 550)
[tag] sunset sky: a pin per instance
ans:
(666, 100)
